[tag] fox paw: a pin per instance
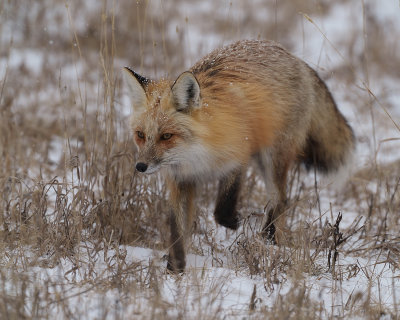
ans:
(231, 222)
(269, 233)
(175, 267)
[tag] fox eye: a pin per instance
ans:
(166, 136)
(140, 134)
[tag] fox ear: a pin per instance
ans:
(137, 85)
(186, 92)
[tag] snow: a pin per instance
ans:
(206, 290)
(209, 286)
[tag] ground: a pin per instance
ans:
(83, 236)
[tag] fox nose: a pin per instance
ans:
(141, 167)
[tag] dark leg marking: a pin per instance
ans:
(269, 228)
(228, 193)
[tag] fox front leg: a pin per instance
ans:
(180, 221)
(176, 257)
(228, 193)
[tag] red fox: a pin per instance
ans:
(250, 101)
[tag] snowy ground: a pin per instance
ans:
(230, 275)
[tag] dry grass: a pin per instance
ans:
(70, 199)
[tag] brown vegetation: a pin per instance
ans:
(70, 199)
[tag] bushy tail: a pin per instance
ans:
(330, 143)
(327, 150)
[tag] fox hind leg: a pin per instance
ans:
(274, 168)
(228, 193)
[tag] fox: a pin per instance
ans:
(250, 102)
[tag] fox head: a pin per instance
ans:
(163, 123)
